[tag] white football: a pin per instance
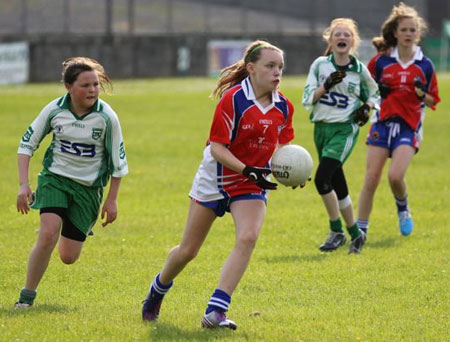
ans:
(291, 165)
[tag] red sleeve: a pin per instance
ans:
(371, 65)
(434, 91)
(287, 133)
(222, 124)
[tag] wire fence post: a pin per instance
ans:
(24, 16)
(109, 17)
(131, 14)
(66, 16)
(279, 19)
(244, 16)
(169, 8)
(312, 17)
(206, 15)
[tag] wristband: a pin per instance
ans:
(24, 184)
(422, 97)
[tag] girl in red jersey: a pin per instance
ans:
(251, 120)
(407, 84)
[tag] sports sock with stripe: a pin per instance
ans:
(27, 296)
(363, 225)
(219, 301)
(158, 289)
(402, 204)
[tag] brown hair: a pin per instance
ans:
(74, 66)
(387, 39)
(348, 23)
(233, 74)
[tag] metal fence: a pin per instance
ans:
(131, 36)
(135, 17)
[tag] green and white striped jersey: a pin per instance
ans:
(87, 149)
(338, 104)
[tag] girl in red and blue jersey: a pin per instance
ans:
(407, 83)
(251, 120)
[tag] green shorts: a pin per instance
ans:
(335, 140)
(82, 202)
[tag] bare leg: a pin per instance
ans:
(347, 215)
(42, 250)
(331, 204)
(69, 250)
(401, 159)
(376, 158)
(198, 223)
(248, 216)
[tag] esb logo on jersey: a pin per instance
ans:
(334, 99)
(78, 149)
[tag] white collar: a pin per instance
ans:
(418, 55)
(250, 95)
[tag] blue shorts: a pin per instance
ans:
(392, 133)
(220, 207)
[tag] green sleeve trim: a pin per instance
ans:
(48, 157)
(364, 91)
(106, 167)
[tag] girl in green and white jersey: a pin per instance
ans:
(340, 93)
(86, 151)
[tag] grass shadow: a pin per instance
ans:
(35, 310)
(389, 242)
(316, 257)
(163, 332)
(385, 243)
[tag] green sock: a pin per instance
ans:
(354, 231)
(336, 226)
(27, 296)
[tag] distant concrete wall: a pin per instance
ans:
(151, 56)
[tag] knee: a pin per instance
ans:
(68, 258)
(323, 184)
(395, 179)
(48, 239)
(187, 253)
(248, 239)
(372, 181)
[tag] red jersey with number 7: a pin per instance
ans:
(250, 132)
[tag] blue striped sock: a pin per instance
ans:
(159, 289)
(363, 225)
(402, 204)
(219, 301)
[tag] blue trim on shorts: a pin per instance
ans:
(392, 133)
(220, 207)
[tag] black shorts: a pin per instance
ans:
(68, 228)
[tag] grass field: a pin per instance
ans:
(396, 290)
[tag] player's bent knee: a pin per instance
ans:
(187, 253)
(69, 259)
(248, 240)
(47, 239)
(370, 187)
(323, 186)
(395, 179)
(371, 182)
